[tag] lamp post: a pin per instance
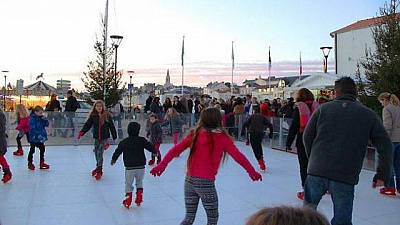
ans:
(130, 89)
(116, 40)
(5, 86)
(325, 51)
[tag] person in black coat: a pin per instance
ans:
(132, 149)
(70, 108)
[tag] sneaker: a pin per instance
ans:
(262, 164)
(31, 166)
(388, 191)
(300, 195)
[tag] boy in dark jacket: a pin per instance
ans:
(132, 148)
(256, 124)
(37, 136)
(155, 133)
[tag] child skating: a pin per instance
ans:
(174, 120)
(7, 175)
(22, 127)
(155, 134)
(100, 119)
(132, 149)
(255, 125)
(208, 143)
(37, 137)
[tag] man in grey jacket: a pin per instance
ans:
(336, 140)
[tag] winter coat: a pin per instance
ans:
(37, 128)
(336, 139)
(391, 121)
(53, 104)
(256, 124)
(23, 124)
(175, 124)
(3, 140)
(132, 148)
(155, 132)
(101, 131)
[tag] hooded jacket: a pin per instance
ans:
(155, 132)
(101, 131)
(37, 128)
(132, 148)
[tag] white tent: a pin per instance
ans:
(314, 81)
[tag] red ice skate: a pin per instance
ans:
(99, 174)
(19, 152)
(43, 166)
(247, 142)
(94, 172)
(7, 175)
(128, 200)
(262, 164)
(31, 166)
(388, 191)
(300, 195)
(139, 197)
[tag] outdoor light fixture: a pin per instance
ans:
(130, 87)
(116, 41)
(5, 87)
(325, 51)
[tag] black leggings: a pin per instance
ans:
(255, 141)
(32, 151)
(19, 139)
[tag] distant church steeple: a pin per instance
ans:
(168, 79)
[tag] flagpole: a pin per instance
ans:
(301, 68)
(269, 71)
(233, 66)
(105, 51)
(183, 68)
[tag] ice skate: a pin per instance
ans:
(139, 197)
(43, 166)
(19, 152)
(388, 191)
(7, 175)
(31, 166)
(94, 172)
(128, 200)
(262, 164)
(99, 174)
(247, 142)
(300, 195)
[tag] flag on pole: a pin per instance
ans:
(183, 49)
(301, 66)
(269, 58)
(233, 57)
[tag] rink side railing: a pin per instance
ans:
(64, 129)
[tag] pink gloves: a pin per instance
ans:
(80, 135)
(255, 176)
(158, 170)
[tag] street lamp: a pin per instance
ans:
(116, 40)
(5, 86)
(325, 51)
(130, 87)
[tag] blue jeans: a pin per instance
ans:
(342, 195)
(396, 167)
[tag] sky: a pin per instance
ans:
(56, 37)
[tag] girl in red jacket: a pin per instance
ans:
(22, 127)
(208, 143)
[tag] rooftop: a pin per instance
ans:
(68, 194)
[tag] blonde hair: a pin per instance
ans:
(103, 116)
(21, 111)
(392, 98)
(174, 113)
(287, 215)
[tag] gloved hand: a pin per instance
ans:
(80, 134)
(255, 176)
(106, 146)
(158, 170)
(112, 162)
(271, 135)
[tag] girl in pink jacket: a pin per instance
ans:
(22, 127)
(208, 143)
